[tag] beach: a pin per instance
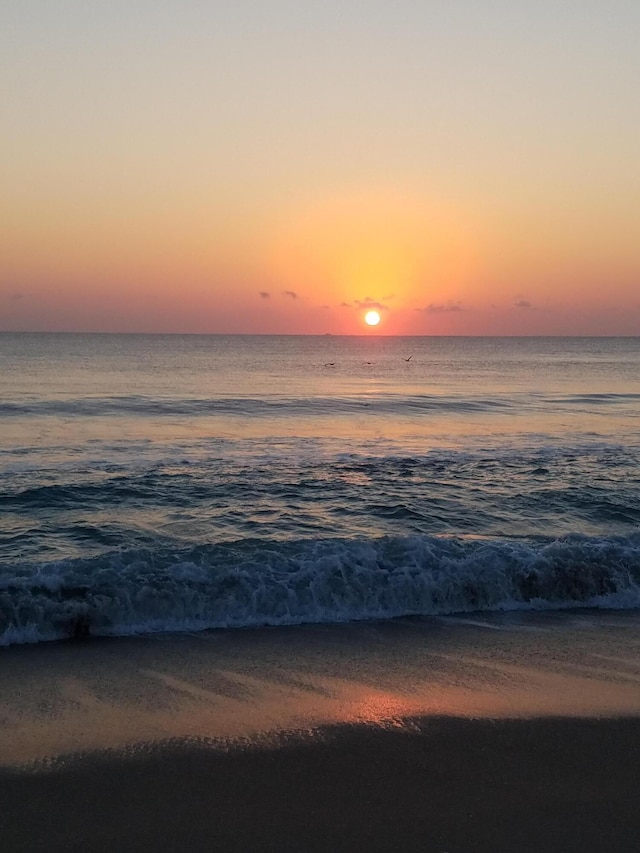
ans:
(495, 733)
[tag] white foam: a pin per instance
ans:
(264, 583)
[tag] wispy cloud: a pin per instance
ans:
(522, 303)
(290, 293)
(368, 303)
(16, 296)
(442, 308)
(264, 294)
(346, 305)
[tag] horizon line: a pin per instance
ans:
(290, 334)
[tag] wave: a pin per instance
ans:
(274, 406)
(256, 582)
(384, 403)
(150, 406)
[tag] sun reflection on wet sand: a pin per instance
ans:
(252, 686)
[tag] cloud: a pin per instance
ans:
(264, 294)
(16, 296)
(522, 303)
(345, 305)
(368, 303)
(442, 307)
(291, 293)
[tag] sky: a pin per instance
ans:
(460, 166)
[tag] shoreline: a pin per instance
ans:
(57, 699)
(485, 734)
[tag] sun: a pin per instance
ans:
(372, 318)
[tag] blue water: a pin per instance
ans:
(177, 482)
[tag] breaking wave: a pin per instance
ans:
(257, 582)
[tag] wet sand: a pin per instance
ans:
(495, 734)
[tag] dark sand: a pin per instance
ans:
(497, 734)
(450, 785)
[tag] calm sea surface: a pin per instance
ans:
(180, 482)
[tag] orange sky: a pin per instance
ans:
(466, 169)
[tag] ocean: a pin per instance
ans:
(154, 483)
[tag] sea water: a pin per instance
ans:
(169, 482)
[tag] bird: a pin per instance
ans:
(368, 362)
(408, 359)
(329, 364)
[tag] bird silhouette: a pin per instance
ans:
(409, 359)
(329, 364)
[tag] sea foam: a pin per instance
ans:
(257, 582)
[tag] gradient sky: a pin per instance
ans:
(468, 166)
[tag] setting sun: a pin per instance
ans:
(372, 318)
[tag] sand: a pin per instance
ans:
(496, 734)
(448, 785)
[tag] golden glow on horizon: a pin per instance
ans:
(375, 244)
(372, 318)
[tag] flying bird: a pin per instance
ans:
(329, 364)
(408, 359)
